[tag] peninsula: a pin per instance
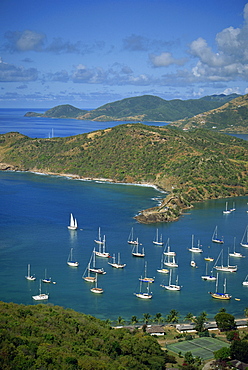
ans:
(190, 166)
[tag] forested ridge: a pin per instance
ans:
(50, 337)
(192, 166)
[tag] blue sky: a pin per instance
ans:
(91, 52)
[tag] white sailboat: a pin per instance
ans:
(73, 223)
(131, 239)
(94, 269)
(215, 238)
(226, 211)
(157, 240)
(162, 270)
(245, 282)
(95, 289)
(70, 261)
(144, 295)
(46, 280)
(244, 240)
(234, 253)
(222, 296)
(233, 208)
(228, 267)
(170, 286)
(146, 279)
(167, 251)
(170, 261)
(117, 265)
(86, 275)
(135, 251)
(208, 277)
(194, 249)
(99, 240)
(29, 276)
(102, 251)
(41, 296)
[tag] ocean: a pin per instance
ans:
(35, 211)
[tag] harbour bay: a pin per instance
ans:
(35, 213)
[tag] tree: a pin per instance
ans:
(189, 317)
(222, 354)
(199, 322)
(146, 317)
(239, 350)
(225, 321)
(134, 320)
(120, 320)
(173, 316)
(158, 317)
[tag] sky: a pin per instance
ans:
(91, 52)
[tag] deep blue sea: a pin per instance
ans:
(34, 216)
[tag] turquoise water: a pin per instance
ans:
(34, 215)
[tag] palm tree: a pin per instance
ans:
(146, 317)
(158, 317)
(134, 320)
(189, 317)
(246, 311)
(120, 320)
(173, 316)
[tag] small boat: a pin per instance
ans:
(244, 240)
(227, 211)
(157, 240)
(73, 223)
(70, 261)
(227, 268)
(29, 276)
(99, 240)
(234, 253)
(162, 270)
(208, 277)
(245, 282)
(195, 249)
(217, 295)
(144, 295)
(94, 269)
(131, 238)
(95, 289)
(215, 238)
(117, 265)
(146, 279)
(193, 263)
(86, 275)
(135, 251)
(170, 261)
(167, 251)
(102, 252)
(233, 208)
(46, 280)
(41, 296)
(170, 286)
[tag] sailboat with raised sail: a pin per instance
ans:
(215, 238)
(217, 295)
(70, 261)
(145, 278)
(144, 294)
(29, 276)
(73, 223)
(157, 240)
(234, 253)
(136, 252)
(244, 240)
(170, 286)
(131, 239)
(41, 296)
(118, 264)
(102, 251)
(228, 267)
(99, 240)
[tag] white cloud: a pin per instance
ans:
(165, 60)
(12, 73)
(24, 41)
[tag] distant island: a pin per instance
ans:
(142, 108)
(191, 166)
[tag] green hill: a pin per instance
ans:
(192, 166)
(50, 337)
(141, 108)
(231, 117)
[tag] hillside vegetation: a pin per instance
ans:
(50, 337)
(192, 166)
(231, 117)
(141, 108)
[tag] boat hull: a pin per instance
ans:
(40, 297)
